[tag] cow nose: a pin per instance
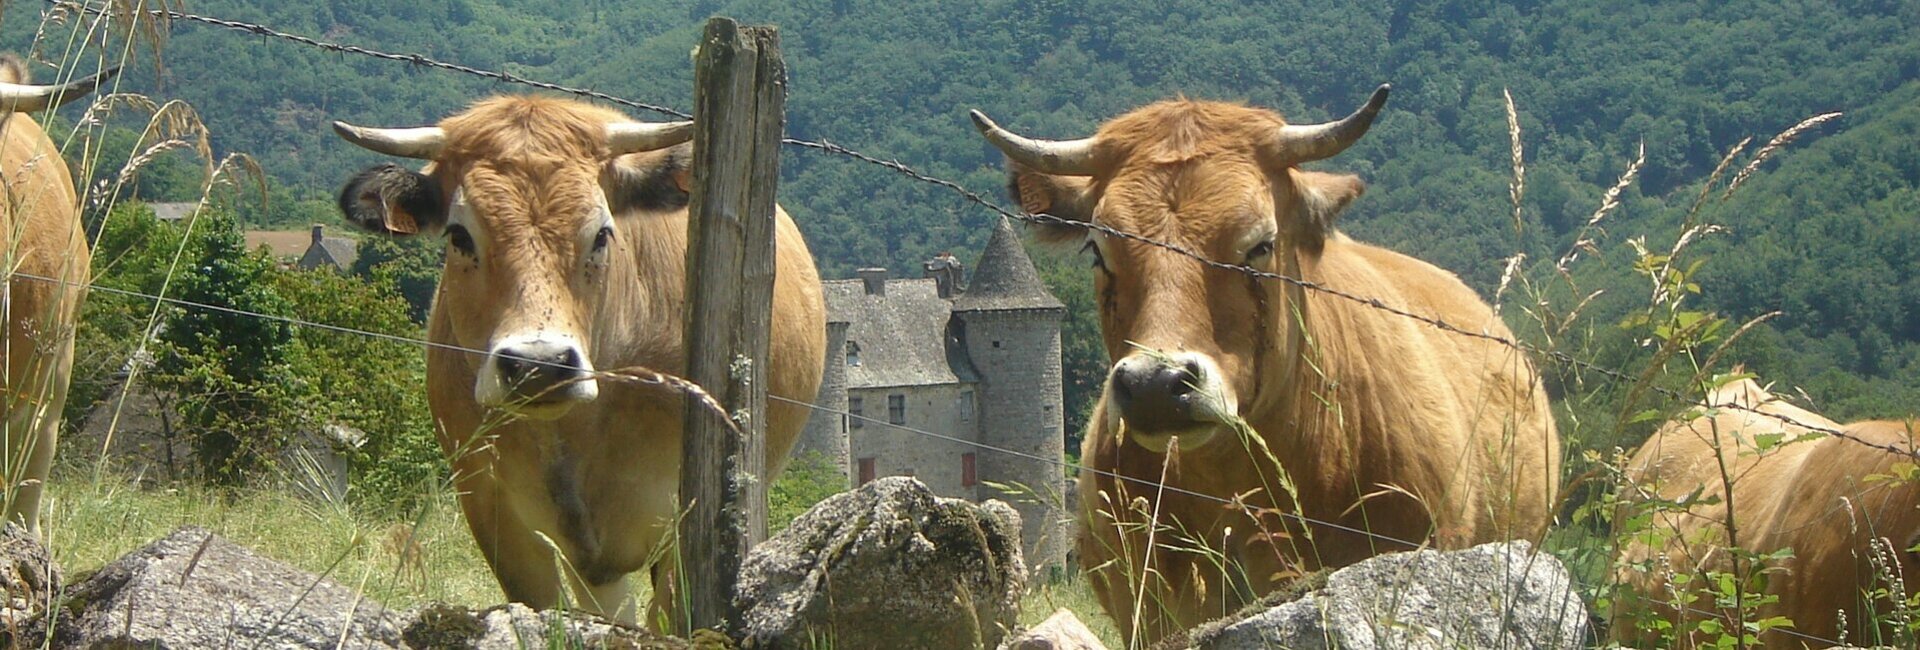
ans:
(542, 370)
(1156, 394)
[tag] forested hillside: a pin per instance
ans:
(1822, 233)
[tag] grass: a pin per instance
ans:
(90, 523)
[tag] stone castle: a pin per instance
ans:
(977, 362)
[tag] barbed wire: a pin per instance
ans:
(414, 59)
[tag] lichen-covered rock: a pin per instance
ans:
(194, 589)
(1502, 595)
(1061, 631)
(888, 565)
(28, 579)
(515, 627)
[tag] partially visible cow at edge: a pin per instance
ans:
(566, 230)
(1384, 424)
(1836, 503)
(46, 262)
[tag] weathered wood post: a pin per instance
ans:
(739, 101)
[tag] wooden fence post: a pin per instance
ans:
(739, 101)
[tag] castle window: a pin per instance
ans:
(866, 471)
(855, 411)
(967, 476)
(853, 354)
(996, 345)
(966, 405)
(897, 409)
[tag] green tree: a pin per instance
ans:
(225, 359)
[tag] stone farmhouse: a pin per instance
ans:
(977, 362)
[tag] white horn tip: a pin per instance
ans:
(981, 122)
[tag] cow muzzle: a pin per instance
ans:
(1162, 395)
(540, 377)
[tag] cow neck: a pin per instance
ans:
(1298, 375)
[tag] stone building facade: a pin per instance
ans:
(977, 363)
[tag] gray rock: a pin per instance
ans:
(28, 579)
(516, 627)
(1490, 596)
(888, 565)
(1061, 631)
(194, 589)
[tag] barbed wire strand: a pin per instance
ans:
(414, 59)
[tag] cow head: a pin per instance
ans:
(524, 189)
(1186, 339)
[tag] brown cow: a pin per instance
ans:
(566, 228)
(47, 270)
(1384, 424)
(1835, 503)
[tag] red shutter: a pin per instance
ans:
(866, 471)
(967, 478)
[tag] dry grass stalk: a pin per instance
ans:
(1506, 278)
(1608, 202)
(1785, 138)
(1518, 188)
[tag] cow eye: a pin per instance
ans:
(460, 239)
(602, 238)
(1098, 261)
(1260, 250)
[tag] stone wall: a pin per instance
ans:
(826, 432)
(896, 452)
(1017, 353)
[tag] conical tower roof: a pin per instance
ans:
(1005, 278)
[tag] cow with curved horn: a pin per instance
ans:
(46, 262)
(1285, 400)
(566, 232)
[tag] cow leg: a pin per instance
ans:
(663, 606)
(614, 599)
(33, 431)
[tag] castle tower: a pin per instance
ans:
(826, 432)
(1010, 326)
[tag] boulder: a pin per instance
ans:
(194, 589)
(516, 627)
(1502, 595)
(1061, 631)
(28, 578)
(888, 565)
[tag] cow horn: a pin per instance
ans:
(635, 137)
(1298, 143)
(421, 142)
(1059, 157)
(26, 98)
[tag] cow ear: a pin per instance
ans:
(391, 200)
(1318, 199)
(653, 181)
(1066, 197)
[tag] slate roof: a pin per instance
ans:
(172, 211)
(337, 251)
(902, 336)
(1005, 278)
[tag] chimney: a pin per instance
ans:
(875, 279)
(947, 272)
(318, 233)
